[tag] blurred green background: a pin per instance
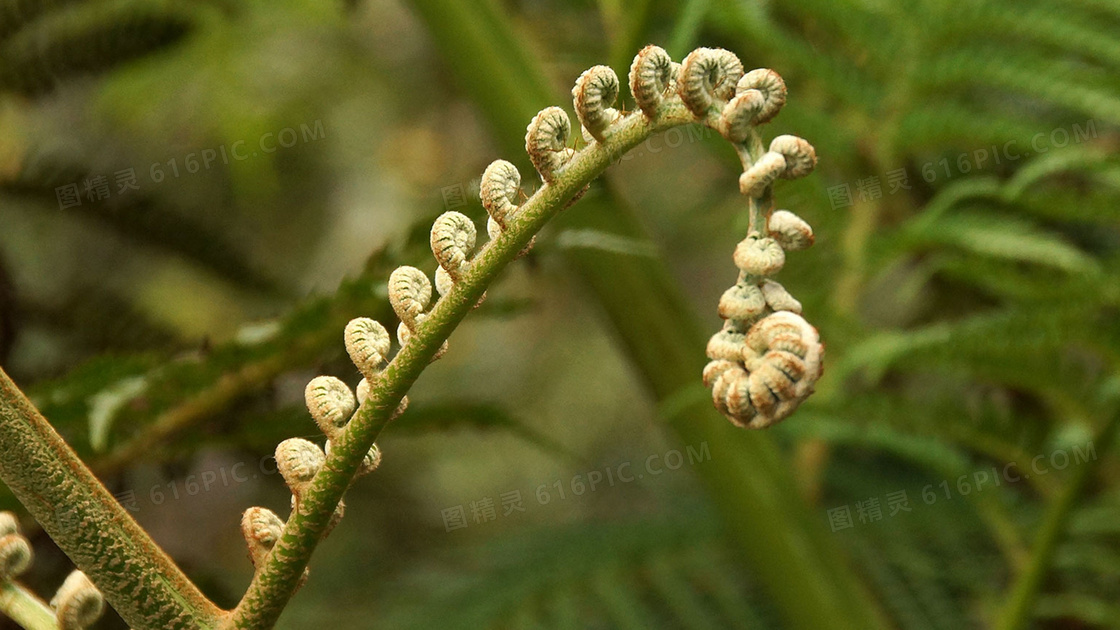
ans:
(196, 196)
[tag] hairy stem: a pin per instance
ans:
(277, 579)
(82, 517)
(23, 607)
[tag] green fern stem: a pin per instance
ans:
(758, 208)
(277, 579)
(24, 608)
(1018, 611)
(136, 577)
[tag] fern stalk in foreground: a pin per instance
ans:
(90, 526)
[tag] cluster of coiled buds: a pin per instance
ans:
(767, 358)
(332, 405)
(76, 605)
(764, 361)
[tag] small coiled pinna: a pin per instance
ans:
(501, 183)
(707, 81)
(594, 94)
(653, 76)
(261, 529)
(789, 157)
(78, 603)
(368, 344)
(453, 240)
(546, 142)
(298, 461)
(410, 292)
(770, 86)
(331, 403)
(15, 550)
(790, 230)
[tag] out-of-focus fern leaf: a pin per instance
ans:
(1087, 566)
(1008, 279)
(14, 14)
(142, 219)
(935, 455)
(209, 380)
(1002, 114)
(939, 124)
(926, 560)
(1085, 609)
(90, 37)
(1063, 29)
(896, 593)
(474, 415)
(1072, 159)
(1090, 92)
(1020, 348)
(640, 574)
(1005, 236)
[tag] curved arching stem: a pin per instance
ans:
(276, 581)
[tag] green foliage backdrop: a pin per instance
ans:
(966, 280)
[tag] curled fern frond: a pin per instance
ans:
(368, 344)
(15, 556)
(453, 240)
(331, 403)
(261, 528)
(707, 80)
(765, 361)
(594, 93)
(78, 603)
(84, 39)
(653, 76)
(546, 142)
(501, 182)
(298, 461)
(410, 292)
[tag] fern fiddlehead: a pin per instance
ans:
(766, 358)
(768, 340)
